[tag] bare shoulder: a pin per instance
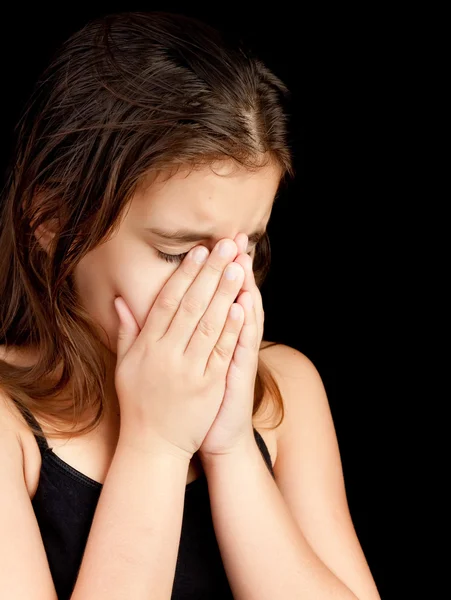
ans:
(295, 375)
(284, 358)
(11, 419)
(11, 425)
(283, 363)
(16, 436)
(269, 353)
(22, 553)
(287, 364)
(10, 415)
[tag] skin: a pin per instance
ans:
(308, 542)
(227, 200)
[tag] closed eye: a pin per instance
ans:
(178, 258)
(172, 258)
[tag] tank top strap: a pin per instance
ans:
(43, 445)
(264, 450)
(30, 419)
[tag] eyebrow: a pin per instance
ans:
(189, 235)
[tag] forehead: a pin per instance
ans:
(209, 197)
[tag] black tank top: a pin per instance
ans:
(64, 505)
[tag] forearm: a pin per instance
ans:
(134, 539)
(263, 550)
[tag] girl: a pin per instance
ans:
(140, 456)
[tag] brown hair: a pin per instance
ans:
(127, 95)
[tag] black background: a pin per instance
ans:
(323, 295)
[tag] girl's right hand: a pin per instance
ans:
(170, 377)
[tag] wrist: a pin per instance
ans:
(147, 443)
(247, 449)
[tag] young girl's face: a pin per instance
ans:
(217, 204)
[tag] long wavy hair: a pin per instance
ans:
(128, 95)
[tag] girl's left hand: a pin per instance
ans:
(232, 429)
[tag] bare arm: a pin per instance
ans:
(292, 537)
(24, 569)
(264, 553)
(133, 543)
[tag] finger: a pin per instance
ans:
(250, 286)
(210, 325)
(243, 361)
(242, 241)
(168, 300)
(223, 351)
(198, 297)
(249, 333)
(128, 329)
(258, 304)
(246, 262)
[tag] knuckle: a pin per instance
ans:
(224, 291)
(191, 305)
(223, 352)
(167, 302)
(147, 352)
(188, 269)
(206, 328)
(215, 268)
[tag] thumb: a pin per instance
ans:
(128, 329)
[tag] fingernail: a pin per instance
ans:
(200, 254)
(225, 249)
(231, 272)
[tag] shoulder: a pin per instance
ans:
(10, 415)
(16, 438)
(284, 359)
(287, 363)
(303, 400)
(308, 469)
(298, 379)
(12, 425)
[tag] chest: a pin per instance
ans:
(91, 455)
